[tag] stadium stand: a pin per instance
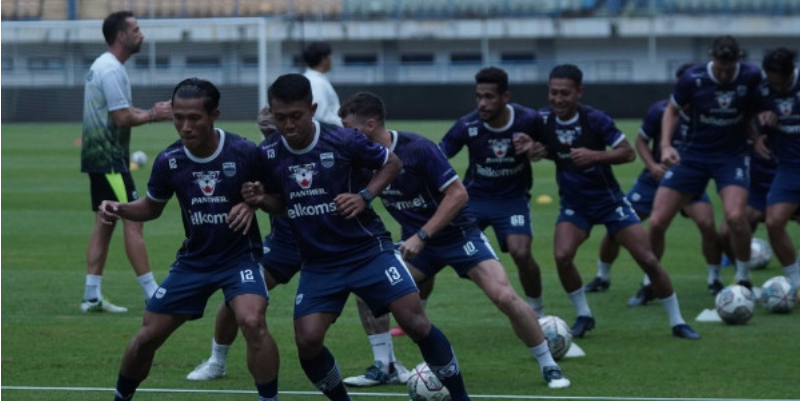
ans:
(22, 9)
(390, 9)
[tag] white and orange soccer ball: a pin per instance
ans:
(423, 385)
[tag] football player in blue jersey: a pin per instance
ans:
(780, 114)
(205, 170)
(315, 173)
(575, 137)
(498, 180)
(720, 97)
(641, 197)
(429, 202)
(281, 262)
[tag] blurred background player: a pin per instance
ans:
(108, 116)
(641, 197)
(498, 180)
(780, 115)
(281, 262)
(315, 172)
(428, 201)
(222, 249)
(317, 56)
(576, 137)
(720, 97)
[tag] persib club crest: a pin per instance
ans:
(499, 146)
(785, 106)
(326, 159)
(207, 180)
(472, 131)
(724, 98)
(303, 174)
(229, 169)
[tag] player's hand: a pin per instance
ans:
(253, 193)
(108, 212)
(583, 157)
(657, 171)
(760, 146)
(768, 118)
(411, 247)
(240, 217)
(163, 110)
(522, 143)
(350, 205)
(670, 156)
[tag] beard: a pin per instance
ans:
(134, 48)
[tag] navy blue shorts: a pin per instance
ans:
(643, 193)
(281, 259)
(692, 175)
(614, 215)
(462, 254)
(186, 292)
(507, 217)
(378, 280)
(785, 187)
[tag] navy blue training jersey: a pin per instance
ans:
(494, 171)
(207, 189)
(580, 186)
(651, 128)
(719, 113)
(784, 140)
(309, 179)
(415, 194)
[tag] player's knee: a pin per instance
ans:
(774, 224)
(563, 257)
(252, 325)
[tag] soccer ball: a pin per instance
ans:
(779, 296)
(558, 335)
(760, 254)
(139, 157)
(423, 385)
(735, 304)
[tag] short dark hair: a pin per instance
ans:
(115, 23)
(315, 52)
(779, 61)
(726, 48)
(683, 69)
(198, 88)
(364, 105)
(290, 88)
(493, 75)
(567, 71)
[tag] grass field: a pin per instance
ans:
(47, 342)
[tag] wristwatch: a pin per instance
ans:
(367, 195)
(423, 235)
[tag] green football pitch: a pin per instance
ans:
(50, 350)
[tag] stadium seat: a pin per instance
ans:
(25, 9)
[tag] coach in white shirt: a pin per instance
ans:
(318, 58)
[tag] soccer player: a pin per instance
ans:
(641, 197)
(780, 114)
(318, 60)
(720, 96)
(428, 201)
(205, 169)
(107, 120)
(315, 173)
(281, 262)
(575, 137)
(499, 181)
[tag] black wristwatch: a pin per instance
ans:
(423, 235)
(367, 195)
